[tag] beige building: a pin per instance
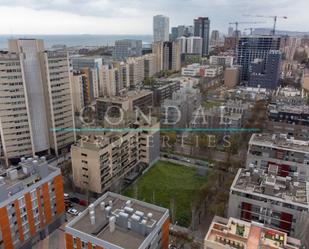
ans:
(234, 233)
(231, 77)
(150, 67)
(157, 49)
(101, 163)
(36, 108)
(78, 85)
(136, 69)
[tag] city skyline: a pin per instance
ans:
(135, 17)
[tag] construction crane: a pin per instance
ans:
(273, 32)
(236, 28)
(251, 30)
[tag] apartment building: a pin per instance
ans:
(163, 89)
(103, 162)
(168, 55)
(36, 108)
(79, 85)
(115, 221)
(150, 68)
(136, 71)
(288, 154)
(142, 99)
(197, 70)
(31, 203)
(222, 60)
(267, 197)
(127, 48)
(90, 65)
(235, 233)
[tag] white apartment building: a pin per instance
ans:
(289, 155)
(221, 60)
(36, 110)
(150, 66)
(194, 45)
(197, 70)
(279, 202)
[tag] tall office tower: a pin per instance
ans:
(157, 49)
(174, 34)
(214, 39)
(31, 203)
(183, 44)
(127, 48)
(230, 31)
(201, 29)
(250, 48)
(124, 76)
(194, 45)
(36, 107)
(266, 73)
(117, 222)
(90, 66)
(161, 26)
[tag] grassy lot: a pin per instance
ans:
(169, 184)
(212, 103)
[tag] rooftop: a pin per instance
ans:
(120, 221)
(262, 183)
(240, 234)
(26, 173)
(281, 141)
(129, 95)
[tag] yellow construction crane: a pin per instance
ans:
(273, 32)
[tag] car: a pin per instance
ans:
(73, 211)
(74, 199)
(83, 203)
(66, 196)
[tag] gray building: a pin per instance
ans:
(266, 72)
(127, 48)
(250, 48)
(161, 26)
(202, 29)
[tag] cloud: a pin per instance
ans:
(135, 16)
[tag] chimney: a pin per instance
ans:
(112, 225)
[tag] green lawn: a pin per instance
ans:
(212, 103)
(165, 182)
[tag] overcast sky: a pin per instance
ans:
(135, 16)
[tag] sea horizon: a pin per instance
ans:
(72, 40)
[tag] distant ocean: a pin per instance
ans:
(76, 40)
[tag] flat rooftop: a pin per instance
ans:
(22, 176)
(135, 221)
(129, 95)
(270, 185)
(279, 141)
(236, 233)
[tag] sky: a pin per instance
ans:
(135, 16)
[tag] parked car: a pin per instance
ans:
(66, 196)
(74, 199)
(83, 203)
(73, 211)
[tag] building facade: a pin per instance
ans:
(276, 201)
(37, 109)
(31, 203)
(161, 26)
(127, 48)
(202, 29)
(250, 48)
(104, 162)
